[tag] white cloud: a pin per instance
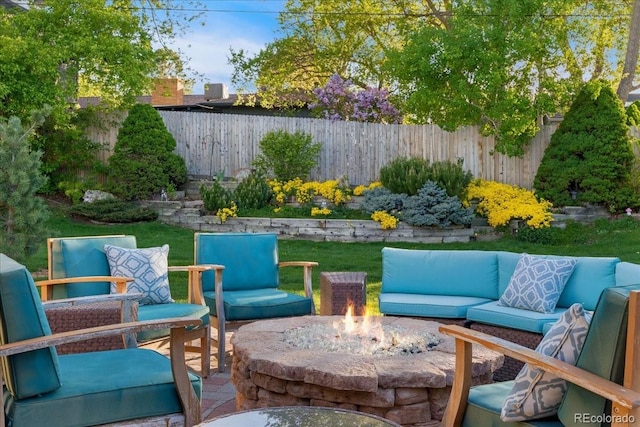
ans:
(208, 46)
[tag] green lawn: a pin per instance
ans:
(619, 237)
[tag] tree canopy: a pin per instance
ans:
(500, 64)
(48, 50)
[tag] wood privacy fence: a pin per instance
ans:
(213, 144)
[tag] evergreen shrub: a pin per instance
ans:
(215, 197)
(253, 192)
(589, 157)
(143, 161)
(114, 211)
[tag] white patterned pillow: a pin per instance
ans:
(536, 393)
(536, 283)
(149, 269)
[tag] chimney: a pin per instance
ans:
(168, 91)
(215, 91)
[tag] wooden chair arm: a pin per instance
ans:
(622, 396)
(91, 299)
(308, 285)
(195, 279)
(96, 332)
(47, 285)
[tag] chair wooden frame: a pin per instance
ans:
(190, 402)
(625, 399)
(219, 322)
(201, 333)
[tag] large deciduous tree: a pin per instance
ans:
(48, 48)
(505, 64)
(321, 38)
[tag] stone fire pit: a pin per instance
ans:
(409, 389)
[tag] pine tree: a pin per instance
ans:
(589, 157)
(143, 161)
(22, 212)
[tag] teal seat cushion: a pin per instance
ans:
(103, 387)
(485, 403)
(440, 272)
(452, 307)
(22, 317)
(515, 318)
(250, 259)
(259, 304)
(85, 256)
(166, 311)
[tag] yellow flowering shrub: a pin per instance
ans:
(360, 189)
(225, 213)
(502, 202)
(304, 192)
(320, 211)
(386, 220)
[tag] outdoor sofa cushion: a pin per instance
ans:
(515, 318)
(449, 272)
(444, 306)
(22, 318)
(259, 304)
(101, 387)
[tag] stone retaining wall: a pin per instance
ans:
(188, 214)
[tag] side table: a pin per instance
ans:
(338, 289)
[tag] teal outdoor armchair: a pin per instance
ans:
(244, 283)
(42, 388)
(80, 258)
(602, 387)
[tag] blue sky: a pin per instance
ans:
(240, 24)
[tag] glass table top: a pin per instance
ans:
(299, 416)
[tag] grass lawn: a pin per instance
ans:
(617, 237)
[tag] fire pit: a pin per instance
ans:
(400, 368)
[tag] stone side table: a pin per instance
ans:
(338, 289)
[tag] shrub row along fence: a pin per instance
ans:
(221, 144)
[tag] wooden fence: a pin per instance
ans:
(213, 144)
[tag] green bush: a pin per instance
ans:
(114, 211)
(408, 176)
(589, 157)
(215, 197)
(143, 161)
(287, 155)
(633, 114)
(405, 175)
(253, 192)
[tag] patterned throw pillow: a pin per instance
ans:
(536, 393)
(536, 283)
(149, 269)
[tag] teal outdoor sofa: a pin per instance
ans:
(79, 258)
(42, 388)
(603, 388)
(464, 286)
(244, 283)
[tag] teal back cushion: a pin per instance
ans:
(250, 259)
(590, 277)
(22, 317)
(440, 272)
(85, 256)
(603, 354)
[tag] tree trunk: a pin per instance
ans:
(631, 56)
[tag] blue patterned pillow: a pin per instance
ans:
(536, 283)
(149, 269)
(536, 393)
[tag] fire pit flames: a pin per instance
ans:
(363, 336)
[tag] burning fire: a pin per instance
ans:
(365, 335)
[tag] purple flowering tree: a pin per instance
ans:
(339, 99)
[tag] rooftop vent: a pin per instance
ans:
(215, 91)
